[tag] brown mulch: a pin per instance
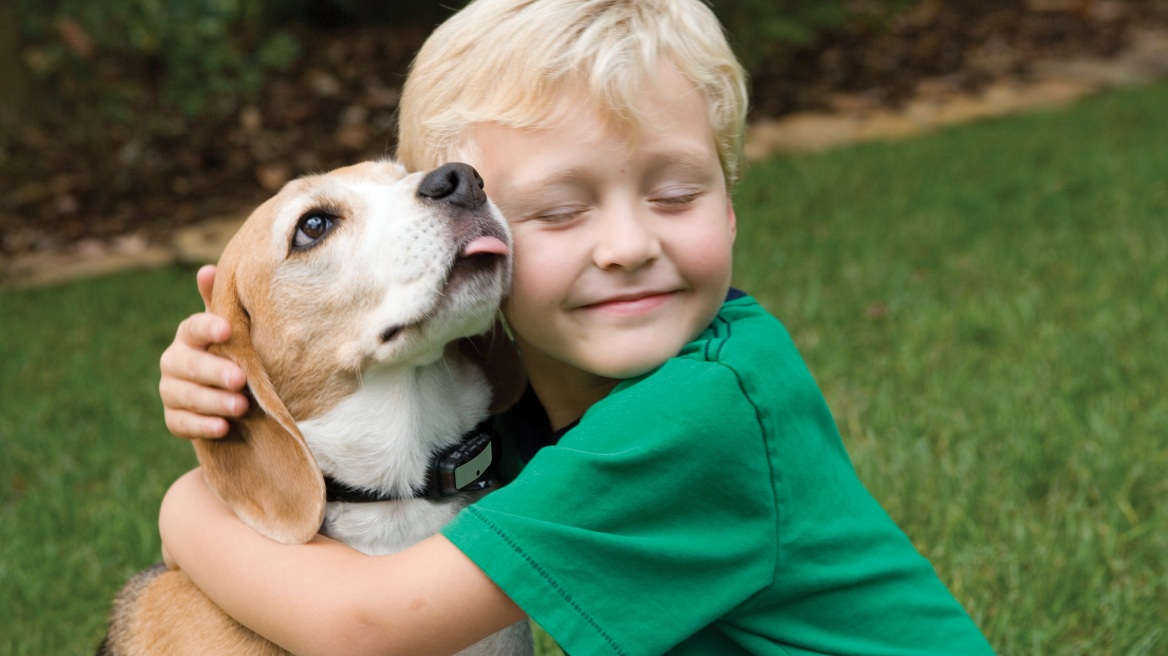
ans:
(65, 188)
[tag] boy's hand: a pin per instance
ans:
(198, 389)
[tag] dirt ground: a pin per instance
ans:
(129, 188)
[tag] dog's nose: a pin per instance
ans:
(455, 183)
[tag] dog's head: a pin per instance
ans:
(365, 266)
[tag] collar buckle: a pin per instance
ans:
(468, 467)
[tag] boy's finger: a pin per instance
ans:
(205, 280)
(190, 426)
(203, 329)
(196, 366)
(181, 395)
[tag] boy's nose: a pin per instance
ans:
(455, 183)
(626, 241)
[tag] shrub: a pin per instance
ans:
(193, 51)
(188, 51)
(760, 29)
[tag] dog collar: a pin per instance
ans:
(465, 467)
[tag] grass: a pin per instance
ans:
(983, 308)
(985, 311)
(86, 457)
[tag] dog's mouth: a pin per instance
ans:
(483, 254)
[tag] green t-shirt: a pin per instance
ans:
(709, 507)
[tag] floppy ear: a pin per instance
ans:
(262, 468)
(494, 353)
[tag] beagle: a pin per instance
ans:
(351, 297)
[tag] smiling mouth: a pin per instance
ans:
(631, 303)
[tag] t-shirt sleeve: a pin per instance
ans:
(649, 520)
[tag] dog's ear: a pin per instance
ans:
(499, 360)
(262, 468)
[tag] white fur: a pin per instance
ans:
(383, 438)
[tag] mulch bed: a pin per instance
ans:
(66, 187)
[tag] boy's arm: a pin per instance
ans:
(324, 597)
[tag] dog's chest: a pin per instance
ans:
(383, 438)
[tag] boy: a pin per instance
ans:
(688, 491)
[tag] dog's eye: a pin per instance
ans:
(311, 228)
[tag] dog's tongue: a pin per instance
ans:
(485, 246)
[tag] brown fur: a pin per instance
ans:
(263, 469)
(163, 614)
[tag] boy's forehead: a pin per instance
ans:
(577, 145)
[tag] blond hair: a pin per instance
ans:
(513, 61)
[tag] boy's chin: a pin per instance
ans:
(632, 355)
(621, 364)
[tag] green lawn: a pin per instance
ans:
(984, 308)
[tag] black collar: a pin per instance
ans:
(335, 490)
(465, 467)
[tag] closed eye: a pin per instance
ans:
(313, 226)
(560, 215)
(676, 201)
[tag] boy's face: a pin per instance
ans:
(622, 247)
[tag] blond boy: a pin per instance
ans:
(688, 492)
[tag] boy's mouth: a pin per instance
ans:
(630, 303)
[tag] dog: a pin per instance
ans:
(351, 297)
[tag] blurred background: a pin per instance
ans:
(983, 307)
(122, 120)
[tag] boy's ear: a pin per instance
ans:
(494, 353)
(262, 468)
